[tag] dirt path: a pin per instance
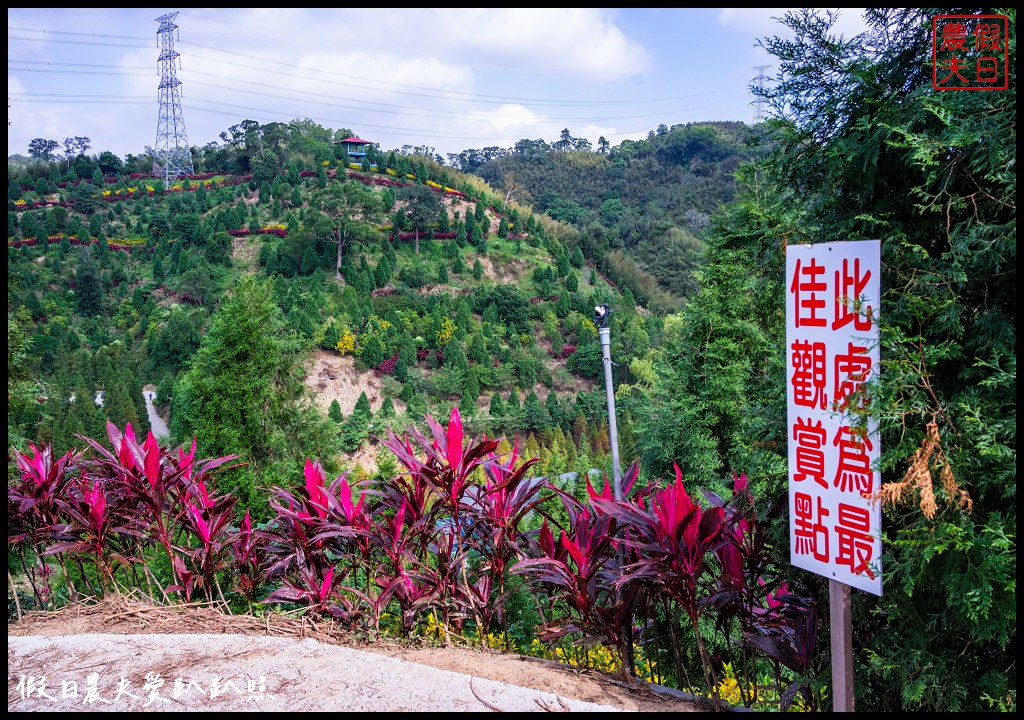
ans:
(159, 659)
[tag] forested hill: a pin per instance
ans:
(640, 206)
(441, 287)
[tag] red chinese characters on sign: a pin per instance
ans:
(811, 536)
(810, 439)
(853, 473)
(810, 294)
(852, 369)
(832, 349)
(809, 376)
(970, 52)
(856, 546)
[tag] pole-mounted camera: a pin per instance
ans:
(601, 313)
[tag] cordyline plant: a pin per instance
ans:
(34, 503)
(496, 512)
(292, 546)
(674, 538)
(753, 595)
(92, 528)
(445, 464)
(579, 574)
(210, 519)
(249, 554)
(154, 482)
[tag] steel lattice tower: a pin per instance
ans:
(172, 150)
(759, 101)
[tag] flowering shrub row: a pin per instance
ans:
(440, 540)
(278, 230)
(382, 181)
(566, 352)
(127, 245)
(387, 367)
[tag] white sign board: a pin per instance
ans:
(832, 301)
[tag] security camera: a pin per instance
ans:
(601, 313)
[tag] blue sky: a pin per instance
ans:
(446, 79)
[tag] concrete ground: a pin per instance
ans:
(244, 673)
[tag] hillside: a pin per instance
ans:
(444, 296)
(640, 207)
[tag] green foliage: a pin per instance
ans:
(243, 394)
(931, 174)
(372, 350)
(334, 412)
(89, 291)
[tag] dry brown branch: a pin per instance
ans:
(920, 476)
(495, 708)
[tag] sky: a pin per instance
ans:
(442, 79)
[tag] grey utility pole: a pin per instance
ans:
(601, 313)
(172, 150)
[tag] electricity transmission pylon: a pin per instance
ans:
(759, 101)
(172, 150)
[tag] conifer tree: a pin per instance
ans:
(553, 409)
(497, 407)
(372, 353)
(472, 383)
(580, 432)
(335, 412)
(535, 417)
(532, 448)
(512, 404)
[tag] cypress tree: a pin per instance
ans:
(335, 412)
(497, 408)
(534, 416)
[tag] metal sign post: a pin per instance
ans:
(601, 313)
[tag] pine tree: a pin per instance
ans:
(535, 417)
(532, 448)
(372, 353)
(335, 412)
(497, 407)
(580, 432)
(472, 390)
(242, 394)
(512, 404)
(88, 291)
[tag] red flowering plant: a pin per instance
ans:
(753, 596)
(579, 574)
(154, 484)
(34, 510)
(209, 517)
(248, 552)
(496, 511)
(443, 465)
(674, 538)
(291, 543)
(319, 532)
(92, 528)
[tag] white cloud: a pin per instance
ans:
(766, 22)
